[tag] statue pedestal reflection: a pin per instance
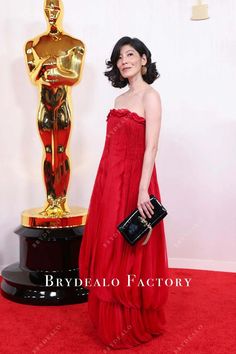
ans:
(44, 252)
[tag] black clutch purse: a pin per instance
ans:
(135, 226)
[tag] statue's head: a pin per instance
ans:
(53, 11)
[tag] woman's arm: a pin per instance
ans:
(152, 105)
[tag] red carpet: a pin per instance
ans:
(201, 320)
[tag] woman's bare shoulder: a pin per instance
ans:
(152, 101)
(120, 96)
(151, 94)
(119, 99)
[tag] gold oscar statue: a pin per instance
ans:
(50, 237)
(55, 62)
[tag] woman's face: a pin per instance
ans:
(130, 62)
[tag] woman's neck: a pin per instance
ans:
(136, 84)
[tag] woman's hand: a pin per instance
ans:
(144, 204)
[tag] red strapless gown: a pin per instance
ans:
(124, 315)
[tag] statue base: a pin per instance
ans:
(34, 218)
(45, 254)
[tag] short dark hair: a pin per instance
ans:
(114, 74)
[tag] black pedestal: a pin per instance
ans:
(48, 270)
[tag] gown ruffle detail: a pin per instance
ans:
(124, 316)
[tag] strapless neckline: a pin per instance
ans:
(126, 110)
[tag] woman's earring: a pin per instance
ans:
(144, 70)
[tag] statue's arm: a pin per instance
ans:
(34, 63)
(77, 60)
(68, 67)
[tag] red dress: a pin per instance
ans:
(125, 310)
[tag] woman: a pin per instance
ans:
(125, 301)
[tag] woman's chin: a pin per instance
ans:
(127, 76)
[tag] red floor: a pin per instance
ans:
(201, 320)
